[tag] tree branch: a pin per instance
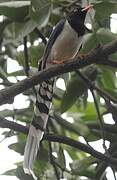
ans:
(61, 139)
(7, 94)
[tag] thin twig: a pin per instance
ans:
(91, 87)
(62, 168)
(26, 57)
(113, 170)
(26, 65)
(51, 159)
(100, 120)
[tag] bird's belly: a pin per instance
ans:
(66, 48)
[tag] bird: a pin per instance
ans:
(64, 43)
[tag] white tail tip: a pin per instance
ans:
(31, 149)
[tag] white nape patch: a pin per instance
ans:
(113, 23)
(88, 25)
(108, 118)
(60, 83)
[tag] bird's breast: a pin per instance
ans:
(66, 45)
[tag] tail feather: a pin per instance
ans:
(31, 149)
(38, 125)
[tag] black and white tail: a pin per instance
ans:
(44, 93)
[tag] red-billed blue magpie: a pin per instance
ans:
(64, 43)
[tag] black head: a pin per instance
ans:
(77, 17)
(78, 14)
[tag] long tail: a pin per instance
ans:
(44, 94)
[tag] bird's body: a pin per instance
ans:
(64, 43)
(60, 50)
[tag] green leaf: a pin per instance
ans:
(6, 113)
(3, 73)
(61, 157)
(23, 29)
(11, 172)
(104, 35)
(77, 127)
(35, 53)
(107, 78)
(21, 175)
(76, 87)
(18, 147)
(83, 166)
(112, 92)
(40, 11)
(43, 153)
(90, 42)
(104, 9)
(16, 10)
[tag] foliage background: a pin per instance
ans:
(73, 114)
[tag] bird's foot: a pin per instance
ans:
(81, 56)
(57, 62)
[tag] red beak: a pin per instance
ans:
(88, 7)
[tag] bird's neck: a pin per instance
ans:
(77, 25)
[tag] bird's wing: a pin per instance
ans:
(57, 30)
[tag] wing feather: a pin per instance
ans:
(57, 30)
